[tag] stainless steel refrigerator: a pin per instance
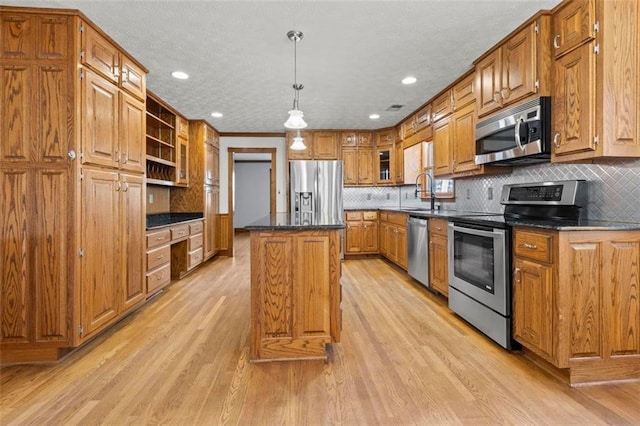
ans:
(315, 191)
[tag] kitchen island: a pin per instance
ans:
(295, 287)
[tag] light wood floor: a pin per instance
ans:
(404, 359)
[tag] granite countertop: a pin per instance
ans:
(286, 221)
(558, 225)
(158, 220)
(575, 225)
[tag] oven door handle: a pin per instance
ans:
(478, 232)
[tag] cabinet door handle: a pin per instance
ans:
(516, 275)
(555, 41)
(529, 246)
(556, 139)
(160, 239)
(503, 91)
(125, 187)
(118, 186)
(115, 70)
(160, 257)
(495, 96)
(125, 75)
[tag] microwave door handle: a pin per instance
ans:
(519, 121)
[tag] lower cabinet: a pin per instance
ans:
(393, 237)
(295, 293)
(361, 233)
(438, 256)
(575, 299)
(172, 252)
(112, 247)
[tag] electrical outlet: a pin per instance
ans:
(369, 196)
(468, 194)
(489, 193)
(388, 196)
(150, 198)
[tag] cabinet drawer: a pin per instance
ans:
(196, 228)
(159, 278)
(195, 241)
(158, 256)
(397, 218)
(369, 215)
(438, 226)
(158, 238)
(195, 258)
(533, 245)
(353, 215)
(179, 232)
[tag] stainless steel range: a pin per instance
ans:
(480, 251)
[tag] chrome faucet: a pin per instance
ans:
(432, 189)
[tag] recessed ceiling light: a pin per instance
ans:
(374, 116)
(216, 114)
(180, 75)
(409, 80)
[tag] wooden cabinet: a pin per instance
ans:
(442, 142)
(385, 137)
(385, 163)
(361, 233)
(596, 96)
(71, 163)
(393, 237)
(399, 162)
(573, 298)
(463, 141)
(98, 53)
(182, 151)
(295, 293)
(112, 247)
(203, 193)
(320, 145)
(358, 166)
(348, 139)
(533, 291)
(438, 256)
(442, 105)
(574, 23)
(172, 252)
(326, 145)
(518, 68)
(463, 92)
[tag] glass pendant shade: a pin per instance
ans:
(298, 143)
(295, 120)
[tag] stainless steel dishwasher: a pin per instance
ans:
(417, 253)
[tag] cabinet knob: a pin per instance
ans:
(556, 139)
(555, 41)
(72, 155)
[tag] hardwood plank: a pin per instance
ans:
(404, 358)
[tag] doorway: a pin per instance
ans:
(258, 154)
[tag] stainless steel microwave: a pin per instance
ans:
(516, 135)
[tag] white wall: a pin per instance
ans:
(252, 192)
(253, 142)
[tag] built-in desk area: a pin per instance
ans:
(174, 247)
(295, 288)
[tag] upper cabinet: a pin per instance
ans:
(574, 23)
(161, 142)
(100, 54)
(517, 68)
(596, 90)
(320, 145)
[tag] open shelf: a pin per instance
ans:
(160, 143)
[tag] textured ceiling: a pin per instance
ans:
(351, 60)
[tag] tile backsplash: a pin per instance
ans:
(614, 190)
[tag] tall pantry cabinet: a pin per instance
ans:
(202, 195)
(72, 215)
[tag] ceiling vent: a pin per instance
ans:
(394, 108)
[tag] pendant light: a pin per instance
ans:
(298, 143)
(295, 120)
